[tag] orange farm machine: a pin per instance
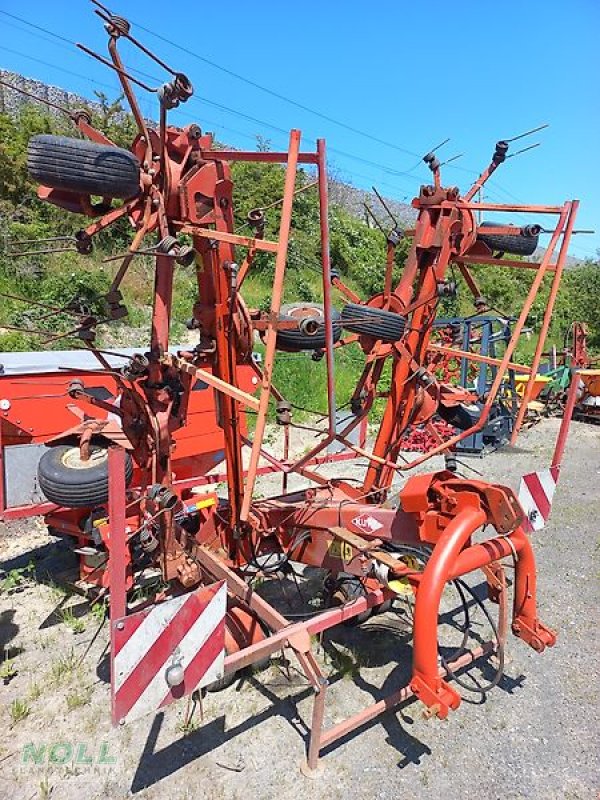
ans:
(129, 449)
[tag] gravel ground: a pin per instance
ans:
(534, 736)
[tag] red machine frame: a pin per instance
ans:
(186, 190)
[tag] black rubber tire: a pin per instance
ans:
(295, 340)
(375, 322)
(62, 162)
(73, 487)
(515, 245)
(462, 416)
(351, 588)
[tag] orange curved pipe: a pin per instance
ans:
(426, 682)
(449, 560)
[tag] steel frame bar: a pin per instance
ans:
(271, 334)
(117, 559)
(501, 262)
(131, 98)
(478, 357)
(232, 238)
(502, 207)
(541, 339)
(216, 383)
(510, 347)
(252, 155)
(320, 739)
(326, 264)
(565, 424)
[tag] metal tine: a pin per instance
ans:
(41, 241)
(32, 331)
(449, 160)
(109, 64)
(115, 353)
(420, 161)
(528, 133)
(385, 205)
(276, 203)
(146, 252)
(48, 103)
(523, 150)
(72, 332)
(577, 230)
(44, 252)
(107, 17)
(45, 306)
(373, 217)
(468, 466)
(297, 191)
(99, 5)
(437, 147)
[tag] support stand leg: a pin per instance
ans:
(309, 769)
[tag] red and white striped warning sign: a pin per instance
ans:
(536, 492)
(167, 651)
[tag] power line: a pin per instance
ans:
(399, 174)
(56, 67)
(273, 93)
(37, 27)
(181, 113)
(235, 112)
(342, 153)
(38, 35)
(87, 79)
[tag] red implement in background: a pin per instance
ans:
(373, 539)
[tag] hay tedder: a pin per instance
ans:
(128, 477)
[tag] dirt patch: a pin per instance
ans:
(534, 736)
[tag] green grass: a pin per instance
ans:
(16, 578)
(76, 624)
(78, 698)
(19, 710)
(7, 670)
(304, 381)
(63, 667)
(35, 692)
(99, 610)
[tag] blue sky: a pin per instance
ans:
(408, 74)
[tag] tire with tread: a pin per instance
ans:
(294, 339)
(462, 416)
(65, 482)
(350, 588)
(76, 165)
(516, 245)
(374, 322)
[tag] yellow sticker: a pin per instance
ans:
(402, 585)
(341, 550)
(206, 503)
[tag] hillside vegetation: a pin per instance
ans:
(357, 251)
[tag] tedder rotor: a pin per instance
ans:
(208, 622)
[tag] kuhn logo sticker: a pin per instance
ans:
(367, 523)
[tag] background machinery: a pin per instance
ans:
(119, 459)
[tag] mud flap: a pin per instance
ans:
(536, 492)
(167, 651)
